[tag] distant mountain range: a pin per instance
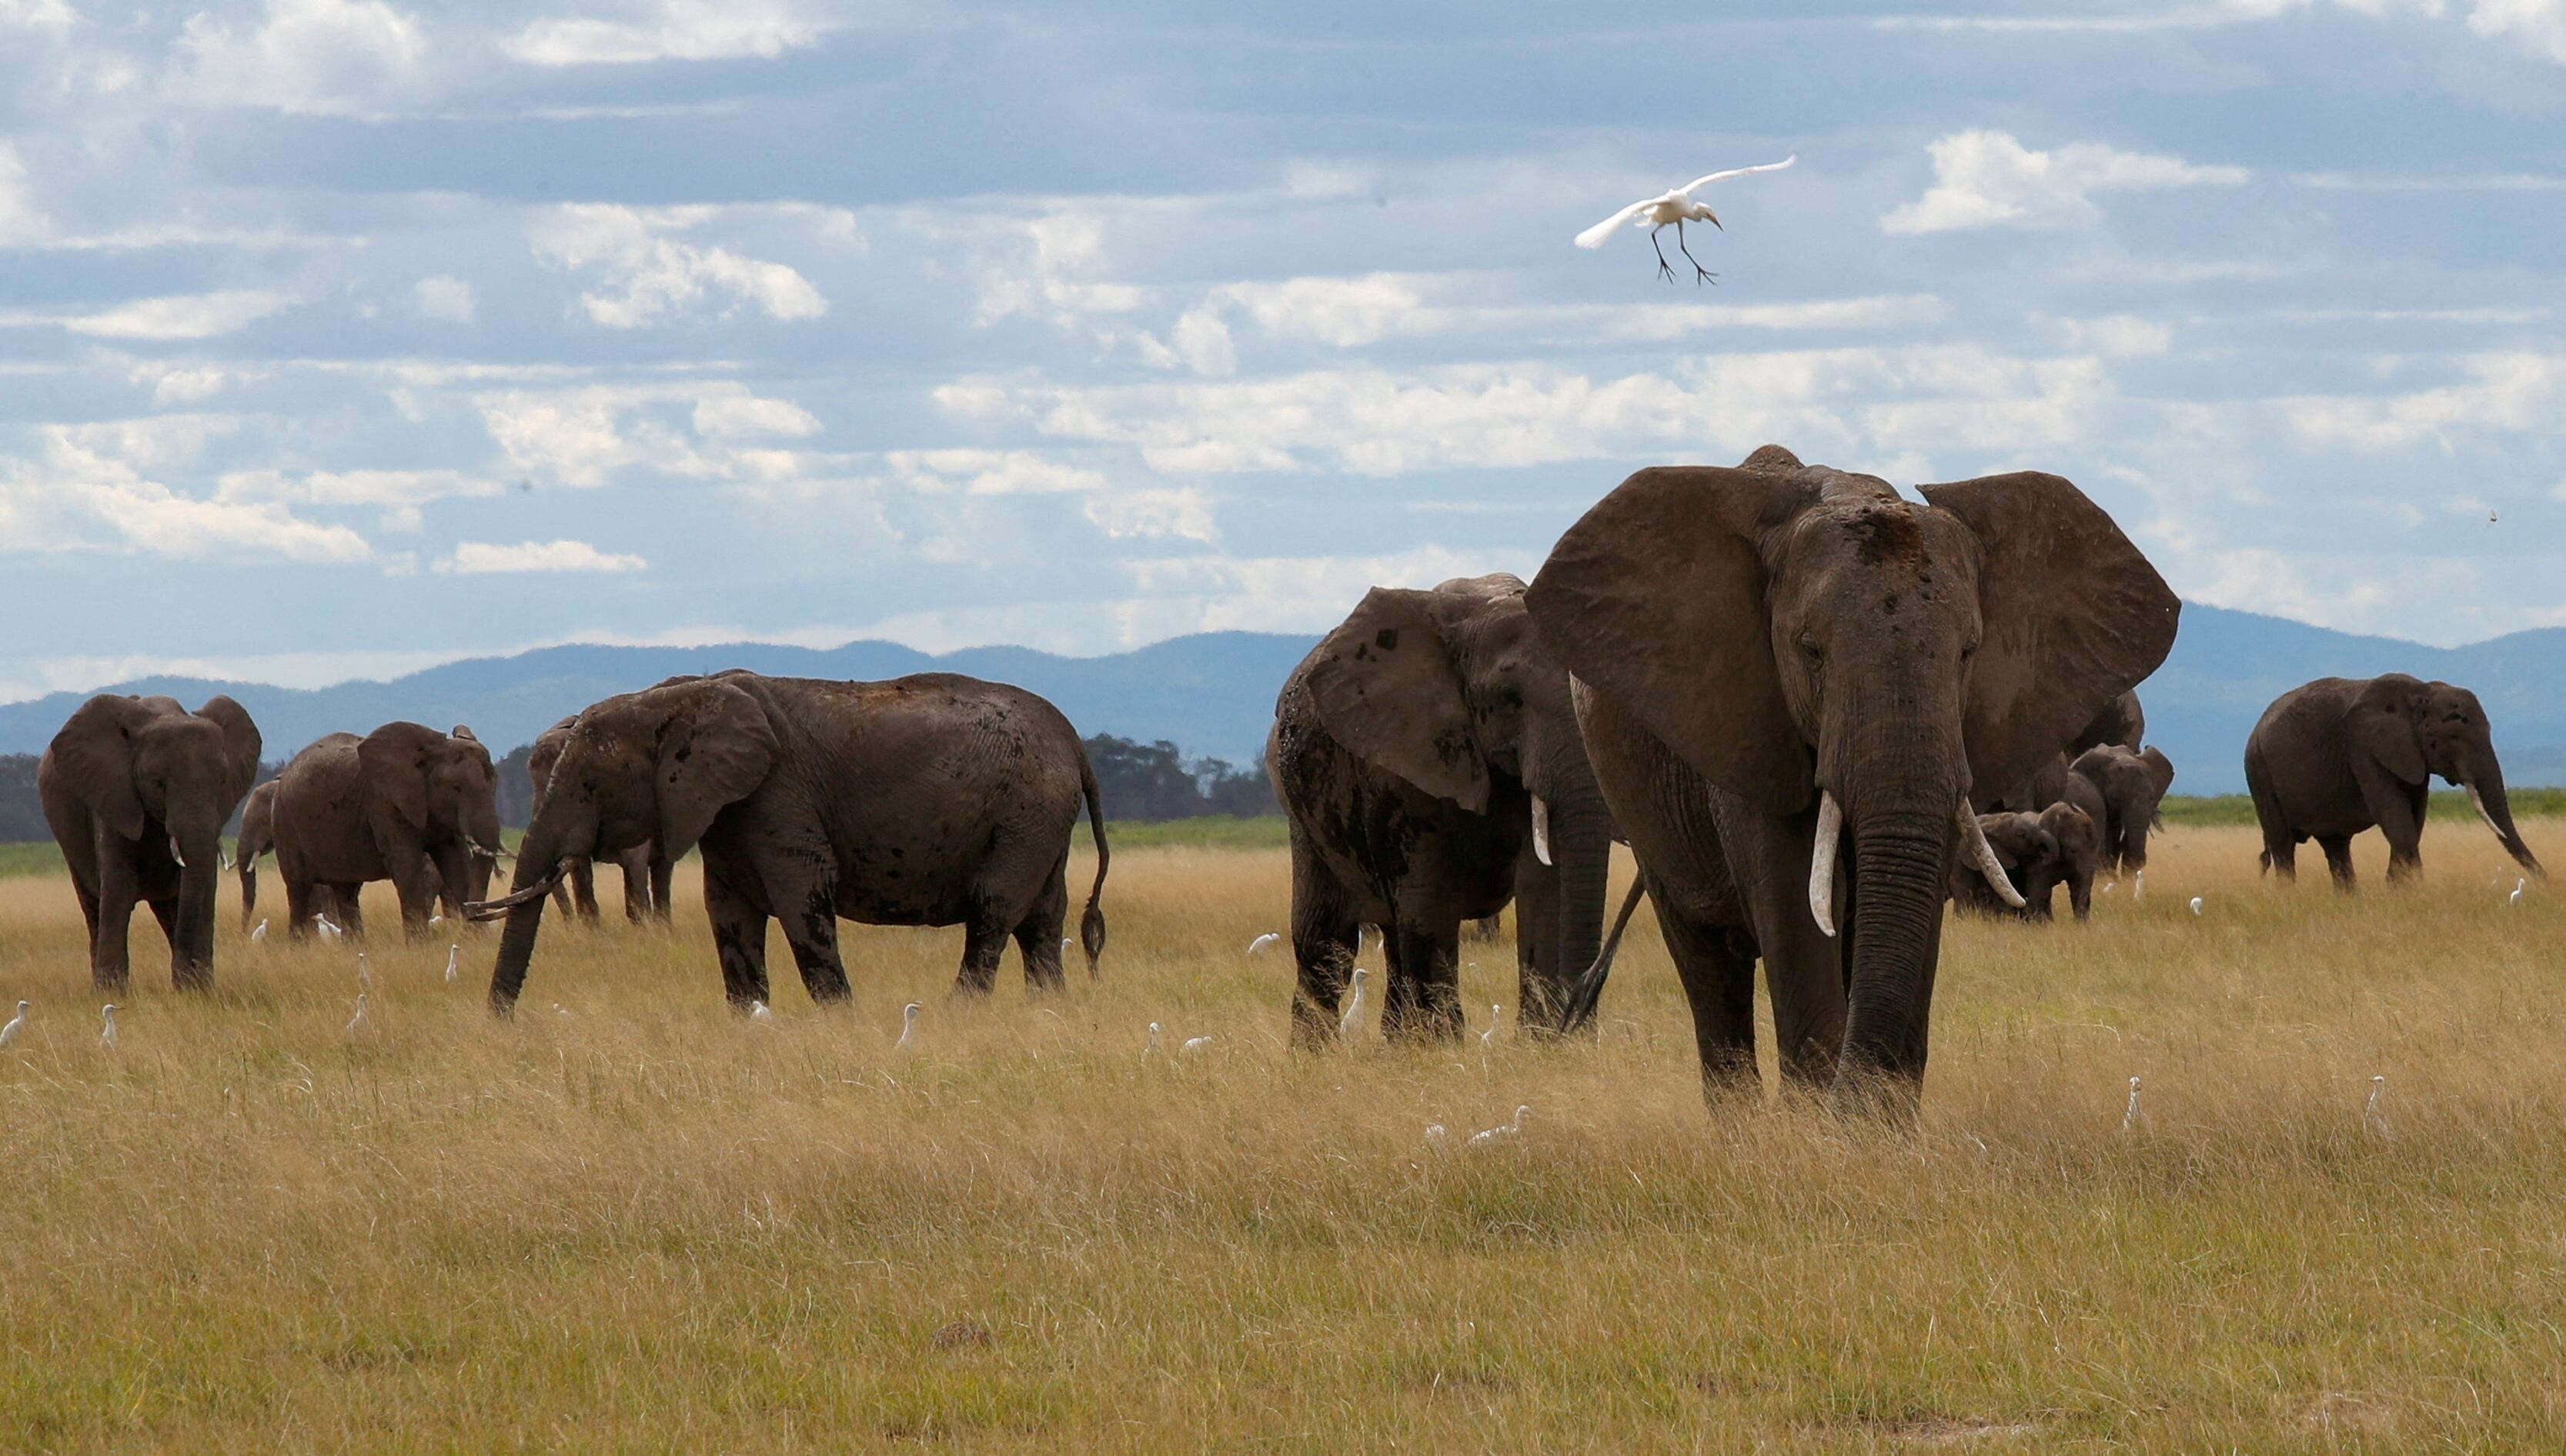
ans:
(1212, 694)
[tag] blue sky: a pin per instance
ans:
(342, 336)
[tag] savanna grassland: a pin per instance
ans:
(640, 1223)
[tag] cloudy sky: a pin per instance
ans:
(341, 337)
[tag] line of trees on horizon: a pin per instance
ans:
(1150, 782)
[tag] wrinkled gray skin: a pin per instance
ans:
(2039, 853)
(934, 800)
(1407, 751)
(1750, 641)
(2127, 787)
(2340, 755)
(257, 836)
(646, 874)
(137, 791)
(404, 803)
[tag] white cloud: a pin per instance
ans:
(329, 57)
(183, 316)
(671, 30)
(1991, 179)
(2501, 391)
(2536, 26)
(54, 15)
(20, 220)
(728, 416)
(988, 472)
(1346, 312)
(89, 488)
(480, 558)
(649, 274)
(1154, 515)
(444, 299)
(585, 436)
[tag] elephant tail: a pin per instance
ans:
(1091, 927)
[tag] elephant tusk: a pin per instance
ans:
(2479, 805)
(174, 853)
(1983, 855)
(1822, 861)
(1540, 829)
(493, 910)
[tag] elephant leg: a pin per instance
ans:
(1806, 971)
(1038, 933)
(984, 943)
(802, 891)
(298, 908)
(1719, 986)
(109, 965)
(166, 911)
(583, 887)
(1324, 928)
(352, 909)
(1423, 1002)
(2281, 856)
(2338, 852)
(2080, 894)
(739, 936)
(662, 871)
(1538, 1001)
(2405, 835)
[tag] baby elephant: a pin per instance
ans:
(2038, 852)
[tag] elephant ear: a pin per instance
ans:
(2382, 723)
(715, 748)
(394, 760)
(1385, 686)
(94, 753)
(1656, 597)
(2073, 617)
(241, 745)
(2159, 767)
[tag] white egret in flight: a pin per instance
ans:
(1676, 207)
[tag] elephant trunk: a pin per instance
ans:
(198, 850)
(248, 867)
(539, 867)
(1900, 859)
(2484, 786)
(1581, 838)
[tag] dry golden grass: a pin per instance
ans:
(648, 1225)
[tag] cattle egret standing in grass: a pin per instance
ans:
(356, 1022)
(908, 1024)
(259, 934)
(2518, 886)
(107, 1015)
(451, 952)
(1150, 1047)
(758, 1013)
(16, 1025)
(1347, 1023)
(329, 934)
(1488, 1038)
(2371, 1120)
(1434, 1135)
(365, 977)
(2137, 886)
(2196, 904)
(2129, 1113)
(1195, 1044)
(1506, 1133)
(1263, 941)
(1675, 207)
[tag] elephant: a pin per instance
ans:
(2122, 721)
(2333, 757)
(257, 836)
(137, 791)
(404, 803)
(929, 800)
(2127, 787)
(645, 875)
(1790, 676)
(2039, 851)
(1427, 759)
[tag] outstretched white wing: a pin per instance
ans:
(1771, 166)
(1594, 236)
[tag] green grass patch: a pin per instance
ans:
(1212, 831)
(2226, 810)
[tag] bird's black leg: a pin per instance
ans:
(1701, 275)
(1666, 270)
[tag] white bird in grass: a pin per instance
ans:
(2138, 887)
(561, 1011)
(1679, 208)
(107, 1015)
(1149, 1048)
(2196, 904)
(1488, 1038)
(1263, 941)
(365, 977)
(1434, 1135)
(2371, 1120)
(356, 1022)
(329, 932)
(451, 952)
(908, 1024)
(758, 1013)
(1351, 1020)
(1509, 1132)
(16, 1025)
(1195, 1044)
(2518, 886)
(259, 934)
(2129, 1114)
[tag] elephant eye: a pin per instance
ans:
(1809, 649)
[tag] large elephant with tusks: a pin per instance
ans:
(1791, 678)
(933, 800)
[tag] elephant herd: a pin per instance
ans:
(1814, 708)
